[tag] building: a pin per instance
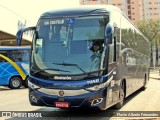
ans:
(10, 23)
(136, 10)
(151, 9)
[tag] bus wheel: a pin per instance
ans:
(25, 83)
(15, 83)
(121, 95)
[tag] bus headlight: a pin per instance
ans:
(33, 86)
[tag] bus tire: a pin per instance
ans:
(122, 96)
(15, 83)
(25, 83)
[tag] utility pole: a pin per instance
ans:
(154, 56)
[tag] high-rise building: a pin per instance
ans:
(136, 10)
(151, 9)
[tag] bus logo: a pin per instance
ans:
(62, 77)
(6, 114)
(61, 93)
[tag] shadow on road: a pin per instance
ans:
(7, 88)
(4, 88)
(133, 95)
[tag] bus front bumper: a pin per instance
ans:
(96, 99)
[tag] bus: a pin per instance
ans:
(90, 56)
(14, 66)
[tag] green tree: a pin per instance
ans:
(151, 30)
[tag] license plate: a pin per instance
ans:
(62, 104)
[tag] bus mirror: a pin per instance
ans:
(108, 34)
(19, 37)
(20, 32)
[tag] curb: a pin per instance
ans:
(155, 78)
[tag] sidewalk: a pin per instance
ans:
(155, 74)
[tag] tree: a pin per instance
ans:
(150, 29)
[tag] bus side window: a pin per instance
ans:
(13, 56)
(25, 56)
(5, 54)
(2, 60)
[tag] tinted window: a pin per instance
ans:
(19, 55)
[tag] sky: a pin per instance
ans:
(32, 9)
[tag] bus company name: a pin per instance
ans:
(62, 77)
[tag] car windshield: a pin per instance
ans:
(69, 45)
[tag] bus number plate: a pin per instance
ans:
(62, 104)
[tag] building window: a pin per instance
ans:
(128, 1)
(129, 7)
(156, 14)
(129, 12)
(130, 17)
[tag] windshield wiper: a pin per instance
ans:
(50, 69)
(70, 64)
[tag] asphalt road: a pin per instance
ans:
(143, 101)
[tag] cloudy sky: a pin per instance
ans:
(32, 9)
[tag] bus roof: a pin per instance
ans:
(14, 47)
(81, 10)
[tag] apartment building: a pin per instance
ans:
(152, 9)
(136, 10)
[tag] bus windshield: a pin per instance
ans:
(69, 45)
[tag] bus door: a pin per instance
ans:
(113, 90)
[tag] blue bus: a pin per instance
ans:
(91, 56)
(14, 66)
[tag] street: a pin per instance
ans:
(17, 100)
